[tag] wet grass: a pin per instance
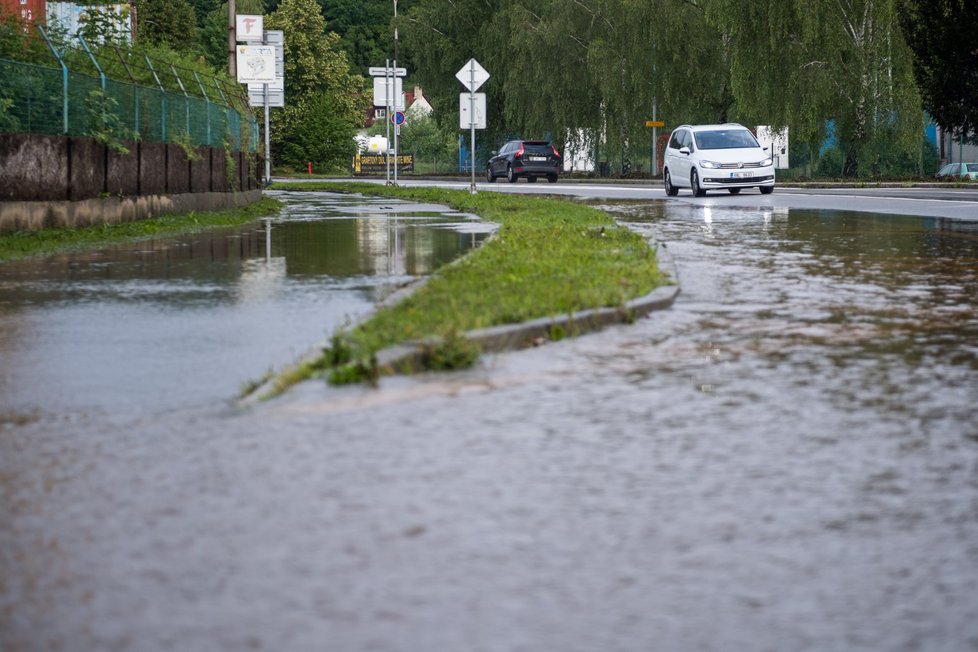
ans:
(25, 244)
(549, 257)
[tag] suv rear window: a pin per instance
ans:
(537, 148)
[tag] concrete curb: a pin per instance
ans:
(408, 356)
(509, 337)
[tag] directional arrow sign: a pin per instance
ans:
(472, 75)
(380, 71)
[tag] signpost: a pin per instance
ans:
(472, 75)
(262, 67)
(655, 124)
(387, 93)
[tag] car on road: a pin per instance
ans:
(531, 159)
(714, 157)
(966, 171)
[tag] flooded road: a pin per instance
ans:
(787, 459)
(154, 326)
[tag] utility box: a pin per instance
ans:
(777, 144)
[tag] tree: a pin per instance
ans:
(806, 66)
(429, 142)
(943, 37)
(325, 103)
(365, 29)
(167, 22)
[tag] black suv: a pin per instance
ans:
(524, 158)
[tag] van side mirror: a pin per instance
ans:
(684, 150)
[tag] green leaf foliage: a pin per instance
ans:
(325, 102)
(167, 22)
(943, 36)
(587, 73)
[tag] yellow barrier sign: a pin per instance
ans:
(378, 163)
(655, 123)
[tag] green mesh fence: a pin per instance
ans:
(46, 100)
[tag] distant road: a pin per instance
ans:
(924, 201)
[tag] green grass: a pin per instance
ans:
(24, 244)
(550, 257)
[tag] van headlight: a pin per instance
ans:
(766, 162)
(708, 164)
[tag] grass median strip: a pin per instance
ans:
(550, 257)
(24, 244)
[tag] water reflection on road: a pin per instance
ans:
(159, 325)
(785, 460)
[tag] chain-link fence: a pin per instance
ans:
(57, 100)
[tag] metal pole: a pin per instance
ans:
(387, 116)
(64, 78)
(655, 138)
(472, 188)
(397, 127)
(268, 146)
(159, 84)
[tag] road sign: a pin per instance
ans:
(472, 75)
(396, 99)
(256, 63)
(398, 118)
(380, 71)
(465, 108)
(276, 88)
(655, 123)
(248, 28)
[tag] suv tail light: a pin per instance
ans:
(520, 152)
(556, 153)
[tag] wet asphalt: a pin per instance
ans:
(786, 459)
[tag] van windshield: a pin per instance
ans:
(725, 139)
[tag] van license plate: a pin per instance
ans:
(741, 175)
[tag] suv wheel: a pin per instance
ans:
(671, 190)
(552, 178)
(510, 175)
(694, 184)
(490, 177)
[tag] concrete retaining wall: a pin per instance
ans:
(50, 181)
(34, 215)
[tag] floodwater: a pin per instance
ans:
(787, 459)
(159, 325)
